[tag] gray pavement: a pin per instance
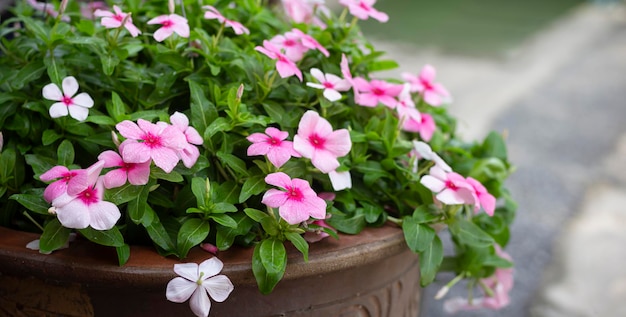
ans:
(562, 98)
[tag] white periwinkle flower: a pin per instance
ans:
(195, 281)
(77, 106)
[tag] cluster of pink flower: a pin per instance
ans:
(77, 195)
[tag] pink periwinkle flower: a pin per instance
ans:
(347, 75)
(147, 141)
(170, 24)
(297, 202)
(47, 8)
(482, 197)
(213, 13)
(284, 65)
(73, 181)
(290, 43)
(87, 207)
(451, 188)
(319, 234)
(363, 9)
(410, 117)
(67, 101)
(375, 91)
(272, 143)
(501, 283)
(317, 141)
(113, 20)
(433, 93)
(87, 10)
(198, 282)
(190, 153)
(136, 173)
(303, 11)
(331, 84)
(425, 125)
(309, 42)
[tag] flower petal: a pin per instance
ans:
(188, 271)
(200, 303)
(179, 289)
(115, 178)
(52, 92)
(219, 287)
(279, 179)
(340, 180)
(210, 267)
(83, 99)
(274, 198)
(54, 173)
(58, 109)
(104, 215)
(77, 112)
(74, 215)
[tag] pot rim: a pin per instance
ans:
(88, 263)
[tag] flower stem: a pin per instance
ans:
(27, 215)
(395, 220)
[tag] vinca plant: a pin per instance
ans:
(215, 124)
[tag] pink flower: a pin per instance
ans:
(432, 92)
(272, 144)
(291, 44)
(284, 65)
(427, 127)
(309, 42)
(319, 234)
(87, 10)
(214, 14)
(451, 188)
(363, 9)
(77, 106)
(303, 11)
(73, 181)
(345, 71)
(331, 84)
(483, 198)
(86, 208)
(375, 91)
(171, 23)
(47, 8)
(409, 116)
(195, 281)
(297, 203)
(136, 173)
(190, 153)
(112, 20)
(501, 283)
(148, 141)
(317, 141)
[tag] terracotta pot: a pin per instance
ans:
(371, 274)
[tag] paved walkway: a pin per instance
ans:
(562, 99)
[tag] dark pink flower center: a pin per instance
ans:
(328, 85)
(274, 141)
(364, 6)
(67, 100)
(127, 166)
(378, 91)
(294, 194)
(118, 17)
(152, 141)
(89, 196)
(289, 42)
(427, 84)
(167, 23)
(317, 141)
(67, 176)
(451, 185)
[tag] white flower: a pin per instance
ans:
(77, 106)
(340, 180)
(331, 84)
(424, 151)
(195, 281)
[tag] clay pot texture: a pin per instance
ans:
(372, 274)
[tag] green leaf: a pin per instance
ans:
(273, 255)
(123, 254)
(38, 28)
(265, 280)
(55, 72)
(382, 65)
(65, 153)
(34, 203)
(201, 188)
(218, 125)
(423, 214)
(224, 220)
(172, 176)
(235, 163)
(418, 236)
(159, 235)
(203, 112)
(49, 136)
(39, 163)
(495, 146)
(300, 244)
(496, 261)
(27, 74)
(54, 236)
(109, 62)
(255, 214)
(191, 233)
(470, 234)
(116, 108)
(137, 207)
(123, 194)
(352, 224)
(112, 237)
(7, 163)
(430, 260)
(252, 186)
(221, 208)
(101, 120)
(225, 236)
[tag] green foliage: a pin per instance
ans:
(228, 91)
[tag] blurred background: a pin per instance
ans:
(551, 75)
